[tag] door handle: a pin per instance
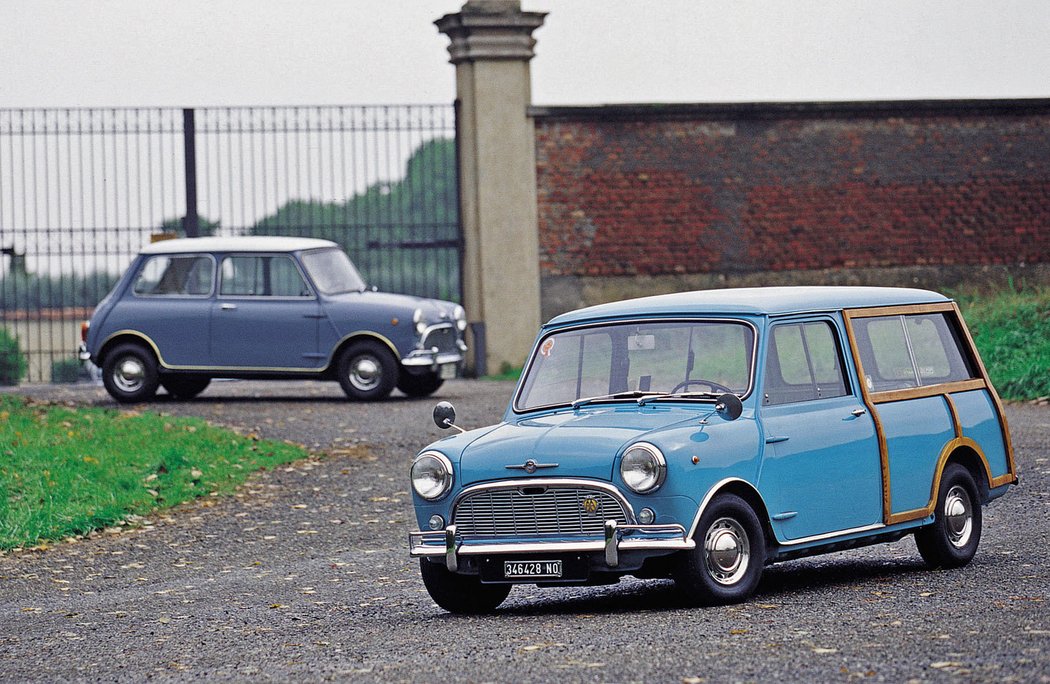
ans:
(226, 306)
(857, 413)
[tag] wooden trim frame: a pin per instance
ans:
(873, 399)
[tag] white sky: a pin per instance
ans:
(57, 53)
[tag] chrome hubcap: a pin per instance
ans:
(726, 551)
(365, 373)
(958, 516)
(129, 374)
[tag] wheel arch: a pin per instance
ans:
(129, 336)
(359, 336)
(746, 491)
(969, 455)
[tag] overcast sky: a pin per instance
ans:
(58, 53)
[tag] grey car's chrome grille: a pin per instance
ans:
(537, 510)
(444, 338)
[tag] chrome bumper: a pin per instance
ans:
(431, 357)
(82, 353)
(444, 543)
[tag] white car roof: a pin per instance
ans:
(249, 243)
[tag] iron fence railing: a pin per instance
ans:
(82, 190)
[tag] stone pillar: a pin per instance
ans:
(491, 45)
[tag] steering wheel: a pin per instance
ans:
(716, 386)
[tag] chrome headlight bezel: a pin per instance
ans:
(418, 322)
(643, 468)
(433, 467)
(459, 314)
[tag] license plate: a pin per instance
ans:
(448, 371)
(518, 569)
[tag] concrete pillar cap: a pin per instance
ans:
(491, 30)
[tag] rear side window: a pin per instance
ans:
(175, 275)
(912, 350)
(803, 363)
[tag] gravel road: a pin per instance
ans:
(304, 576)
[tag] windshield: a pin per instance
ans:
(332, 271)
(699, 357)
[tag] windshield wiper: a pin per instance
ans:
(632, 394)
(652, 396)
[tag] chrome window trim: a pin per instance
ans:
(628, 321)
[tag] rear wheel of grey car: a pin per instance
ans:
(951, 540)
(129, 373)
(367, 371)
(461, 594)
(726, 564)
(422, 385)
(184, 386)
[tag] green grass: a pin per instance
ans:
(506, 372)
(65, 472)
(1012, 333)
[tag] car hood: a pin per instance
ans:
(583, 443)
(433, 309)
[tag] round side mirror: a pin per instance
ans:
(444, 415)
(729, 406)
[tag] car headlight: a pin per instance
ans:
(431, 475)
(643, 468)
(417, 320)
(461, 317)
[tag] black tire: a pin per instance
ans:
(184, 387)
(951, 540)
(460, 594)
(367, 371)
(422, 385)
(726, 564)
(129, 373)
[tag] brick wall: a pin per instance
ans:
(693, 195)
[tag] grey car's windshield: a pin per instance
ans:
(701, 358)
(332, 271)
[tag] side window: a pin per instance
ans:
(262, 276)
(803, 363)
(167, 276)
(916, 350)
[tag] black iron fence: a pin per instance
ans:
(82, 190)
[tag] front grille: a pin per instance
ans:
(444, 338)
(547, 510)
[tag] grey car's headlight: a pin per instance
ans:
(643, 468)
(431, 475)
(417, 320)
(461, 317)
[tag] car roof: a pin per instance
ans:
(247, 243)
(762, 301)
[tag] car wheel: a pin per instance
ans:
(129, 373)
(367, 371)
(422, 385)
(184, 386)
(726, 564)
(951, 540)
(461, 594)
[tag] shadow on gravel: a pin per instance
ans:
(661, 595)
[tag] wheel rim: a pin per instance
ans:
(129, 374)
(727, 552)
(366, 372)
(958, 516)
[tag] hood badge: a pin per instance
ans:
(530, 466)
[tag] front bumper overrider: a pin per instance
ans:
(617, 538)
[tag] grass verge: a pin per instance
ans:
(1012, 332)
(65, 472)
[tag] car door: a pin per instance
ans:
(266, 317)
(821, 470)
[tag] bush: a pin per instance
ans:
(65, 371)
(12, 361)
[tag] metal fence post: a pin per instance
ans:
(190, 222)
